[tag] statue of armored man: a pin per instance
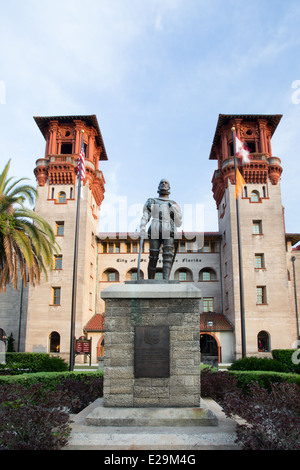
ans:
(166, 216)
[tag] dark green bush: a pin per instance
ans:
(49, 380)
(284, 356)
(258, 363)
(10, 343)
(17, 363)
(264, 378)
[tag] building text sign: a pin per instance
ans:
(83, 346)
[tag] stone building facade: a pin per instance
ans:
(40, 317)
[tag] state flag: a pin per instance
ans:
(239, 183)
(241, 151)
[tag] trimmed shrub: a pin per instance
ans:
(264, 378)
(284, 356)
(10, 343)
(17, 363)
(49, 380)
(272, 419)
(258, 363)
(82, 387)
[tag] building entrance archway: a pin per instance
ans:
(209, 348)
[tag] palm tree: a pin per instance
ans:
(27, 241)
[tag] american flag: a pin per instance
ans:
(81, 162)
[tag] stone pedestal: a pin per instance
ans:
(152, 354)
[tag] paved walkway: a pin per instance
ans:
(221, 437)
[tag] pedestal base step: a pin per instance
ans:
(102, 416)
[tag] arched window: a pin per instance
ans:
(207, 274)
(110, 275)
(255, 196)
(3, 342)
(208, 345)
(54, 340)
(100, 347)
(263, 341)
(3, 336)
(131, 275)
(183, 274)
(62, 198)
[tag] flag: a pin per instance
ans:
(241, 151)
(239, 183)
(81, 161)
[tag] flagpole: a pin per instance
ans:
(243, 335)
(75, 266)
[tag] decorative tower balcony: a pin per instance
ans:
(63, 143)
(256, 132)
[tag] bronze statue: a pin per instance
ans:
(166, 216)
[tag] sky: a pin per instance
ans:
(157, 74)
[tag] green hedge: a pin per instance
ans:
(258, 363)
(284, 356)
(264, 378)
(17, 363)
(49, 380)
(282, 361)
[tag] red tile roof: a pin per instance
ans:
(220, 322)
(96, 323)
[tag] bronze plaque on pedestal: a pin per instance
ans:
(152, 352)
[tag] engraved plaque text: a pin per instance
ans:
(152, 351)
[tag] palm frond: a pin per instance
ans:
(3, 177)
(27, 241)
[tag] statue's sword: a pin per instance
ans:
(140, 256)
(176, 243)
